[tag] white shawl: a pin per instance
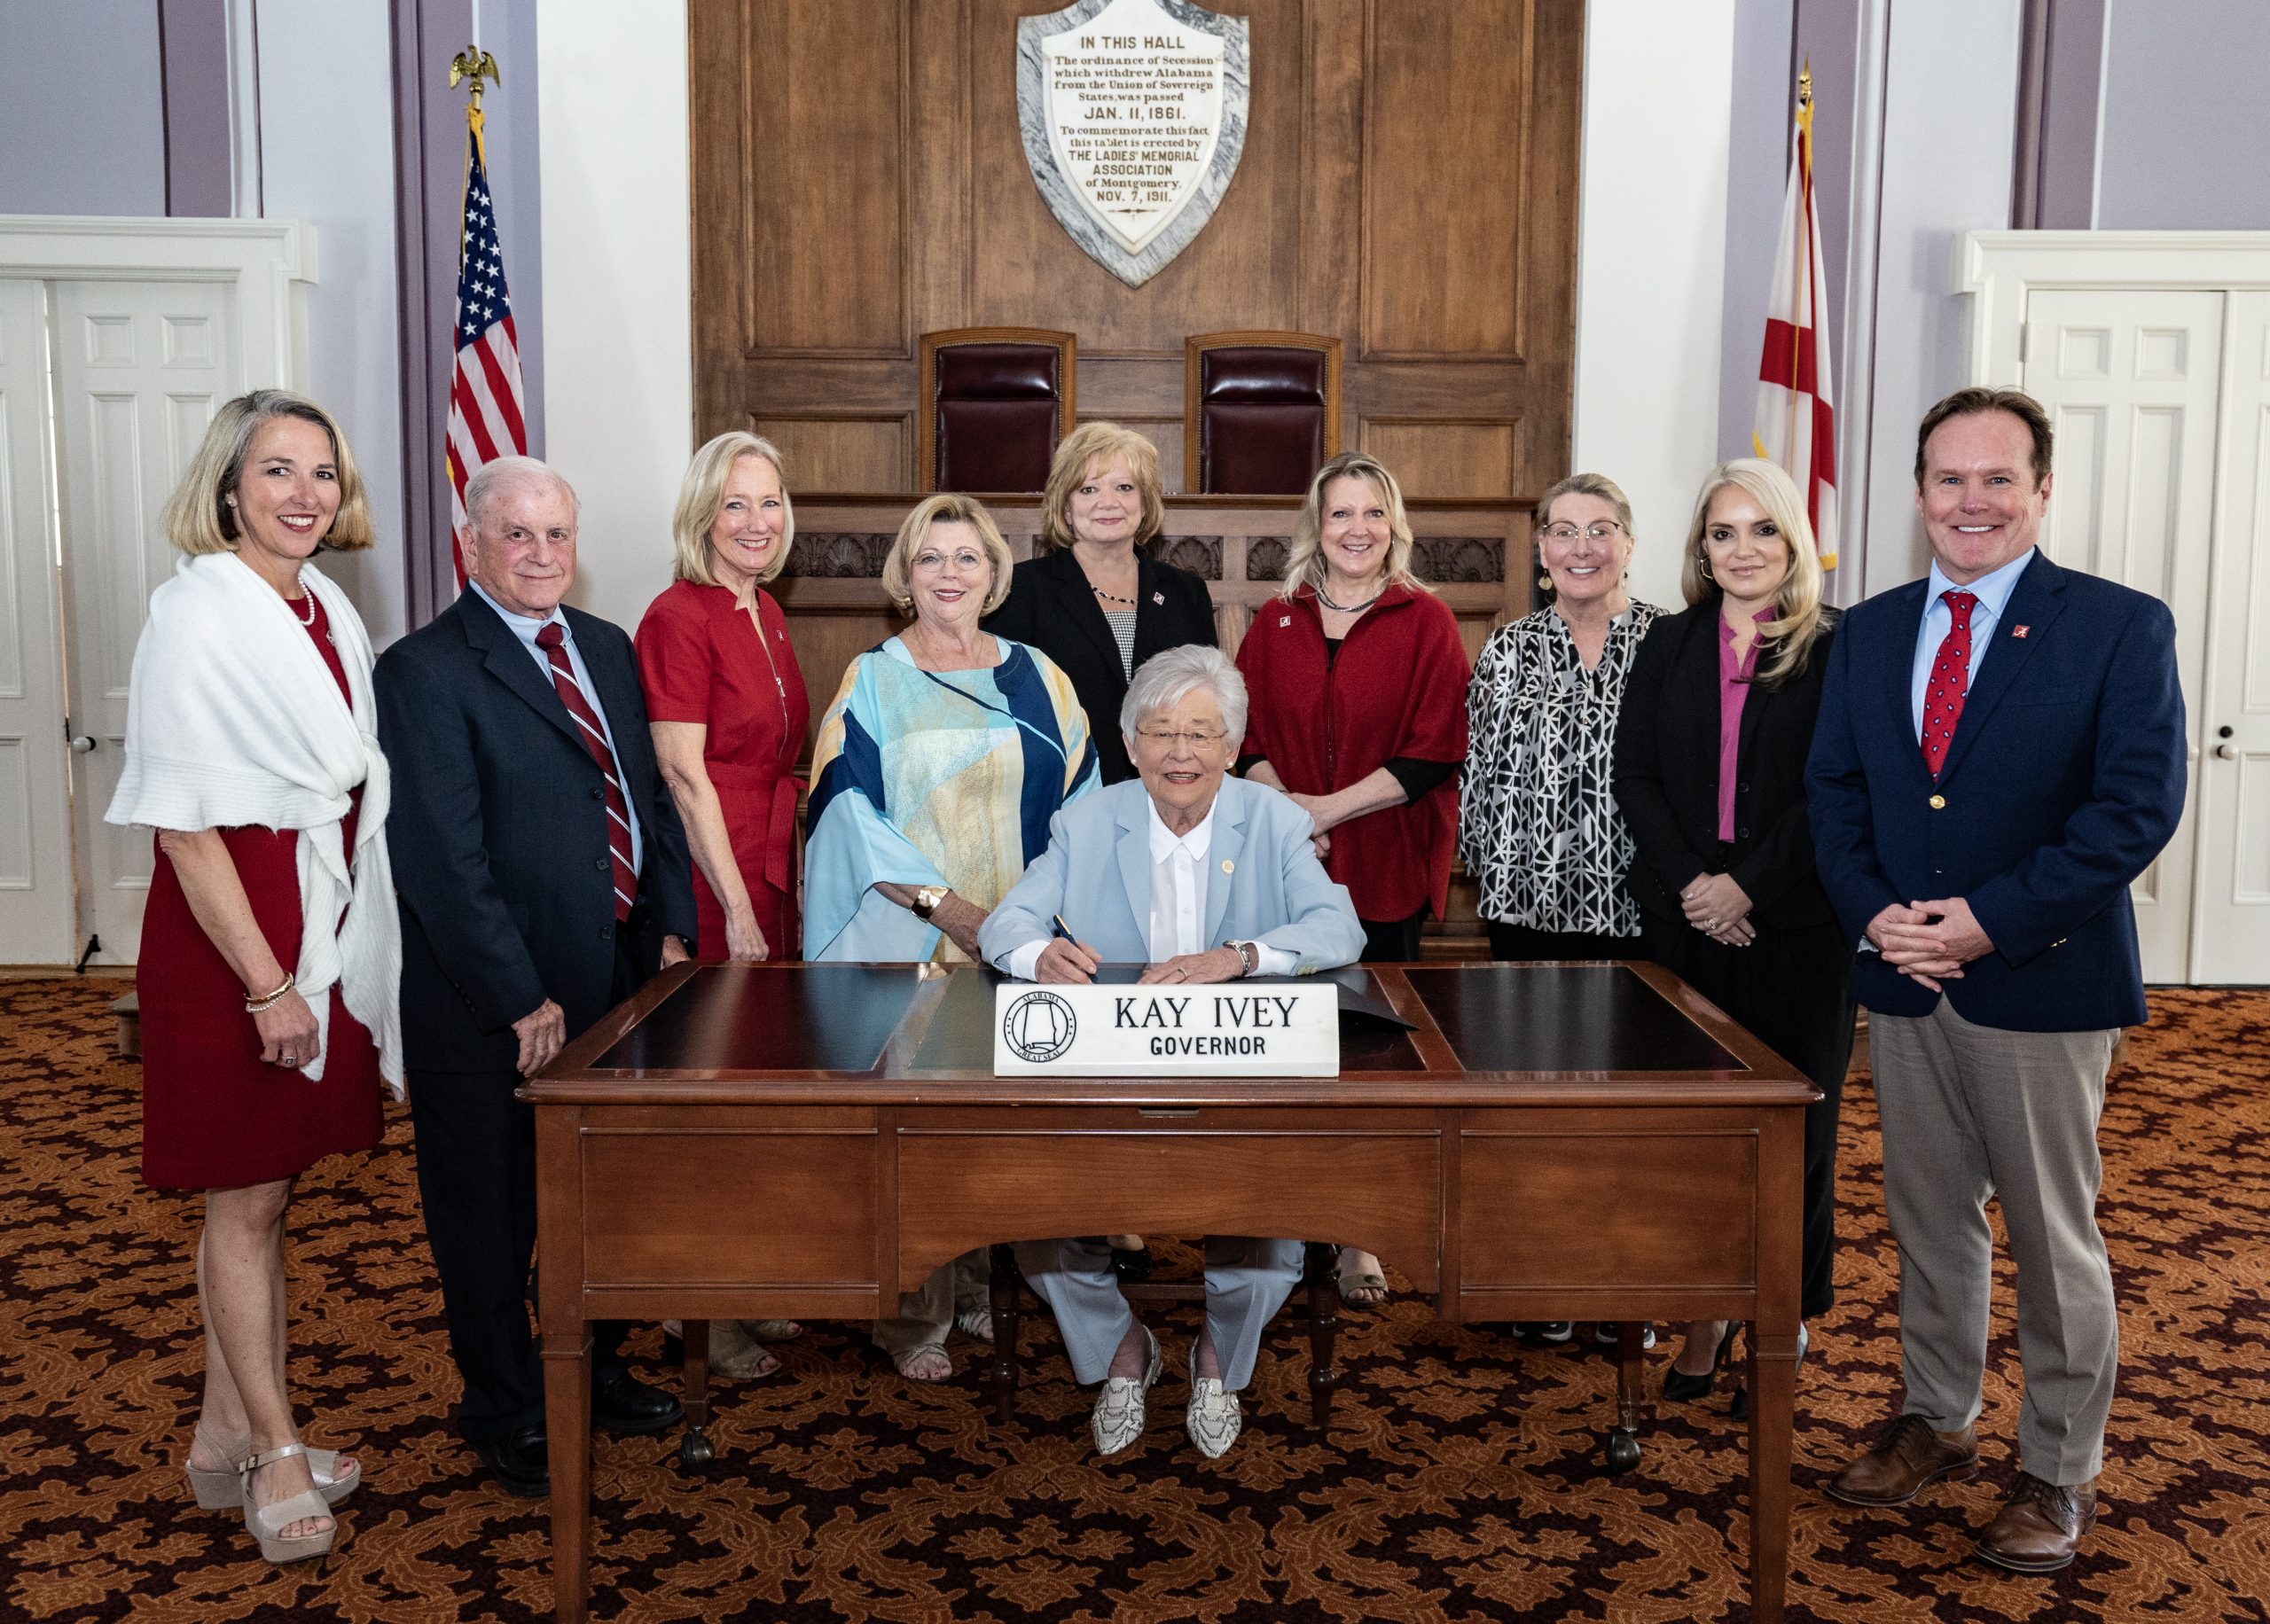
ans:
(233, 719)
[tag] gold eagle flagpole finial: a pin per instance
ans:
(476, 64)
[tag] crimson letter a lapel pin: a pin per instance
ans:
(2020, 631)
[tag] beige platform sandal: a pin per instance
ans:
(222, 1489)
(266, 1523)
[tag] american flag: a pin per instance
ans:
(485, 420)
(1797, 418)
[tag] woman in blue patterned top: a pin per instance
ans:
(936, 771)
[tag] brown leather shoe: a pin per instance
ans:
(1906, 1457)
(2041, 1526)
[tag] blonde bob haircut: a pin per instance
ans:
(1081, 450)
(948, 507)
(702, 498)
(1797, 622)
(197, 517)
(1304, 560)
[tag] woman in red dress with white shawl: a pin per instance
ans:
(270, 957)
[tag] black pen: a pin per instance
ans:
(1058, 928)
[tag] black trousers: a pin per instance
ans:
(476, 1179)
(1521, 941)
(1393, 941)
(1792, 989)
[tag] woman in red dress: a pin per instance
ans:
(269, 964)
(1357, 677)
(727, 705)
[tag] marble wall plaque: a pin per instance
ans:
(1133, 114)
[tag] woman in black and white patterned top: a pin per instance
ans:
(1538, 821)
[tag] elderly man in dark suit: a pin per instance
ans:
(543, 876)
(1999, 753)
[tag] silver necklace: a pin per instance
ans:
(1350, 608)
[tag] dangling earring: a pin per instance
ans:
(1545, 583)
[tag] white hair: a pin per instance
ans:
(1161, 681)
(513, 471)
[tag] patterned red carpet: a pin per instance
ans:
(1458, 1483)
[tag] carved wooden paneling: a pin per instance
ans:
(845, 453)
(826, 123)
(1472, 461)
(1408, 185)
(1445, 137)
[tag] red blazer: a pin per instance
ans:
(1396, 689)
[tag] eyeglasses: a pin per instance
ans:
(1187, 740)
(1605, 530)
(930, 560)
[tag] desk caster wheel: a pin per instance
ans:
(694, 1455)
(1622, 1451)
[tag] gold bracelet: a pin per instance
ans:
(256, 1005)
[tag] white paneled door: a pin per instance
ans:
(2232, 930)
(35, 896)
(2131, 380)
(140, 367)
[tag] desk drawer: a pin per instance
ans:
(754, 1199)
(1632, 1207)
(1376, 1185)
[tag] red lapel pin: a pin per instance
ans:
(2020, 631)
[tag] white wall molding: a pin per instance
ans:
(1998, 270)
(270, 264)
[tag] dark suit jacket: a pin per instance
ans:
(1052, 607)
(1667, 775)
(2065, 777)
(499, 832)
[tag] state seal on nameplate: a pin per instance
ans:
(1133, 114)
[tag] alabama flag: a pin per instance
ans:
(1796, 419)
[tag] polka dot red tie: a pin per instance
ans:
(551, 640)
(1950, 678)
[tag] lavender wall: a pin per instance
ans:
(81, 108)
(2184, 142)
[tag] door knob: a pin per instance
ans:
(2225, 753)
(81, 742)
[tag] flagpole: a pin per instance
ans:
(471, 66)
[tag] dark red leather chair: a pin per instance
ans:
(995, 402)
(1261, 411)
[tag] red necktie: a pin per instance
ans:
(1950, 678)
(552, 640)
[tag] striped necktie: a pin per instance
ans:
(552, 640)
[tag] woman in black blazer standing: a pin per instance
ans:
(1711, 752)
(1090, 600)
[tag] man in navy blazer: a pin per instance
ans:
(1999, 753)
(542, 874)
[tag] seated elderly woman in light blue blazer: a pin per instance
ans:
(1201, 877)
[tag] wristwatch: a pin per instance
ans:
(927, 898)
(1249, 954)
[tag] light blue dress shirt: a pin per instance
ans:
(526, 630)
(1993, 591)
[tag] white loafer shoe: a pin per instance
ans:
(1117, 1419)
(1214, 1420)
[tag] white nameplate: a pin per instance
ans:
(1229, 1030)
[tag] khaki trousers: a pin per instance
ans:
(1971, 1113)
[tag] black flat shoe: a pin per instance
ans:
(1132, 1267)
(627, 1407)
(1681, 1388)
(520, 1462)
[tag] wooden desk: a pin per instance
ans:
(1552, 1141)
